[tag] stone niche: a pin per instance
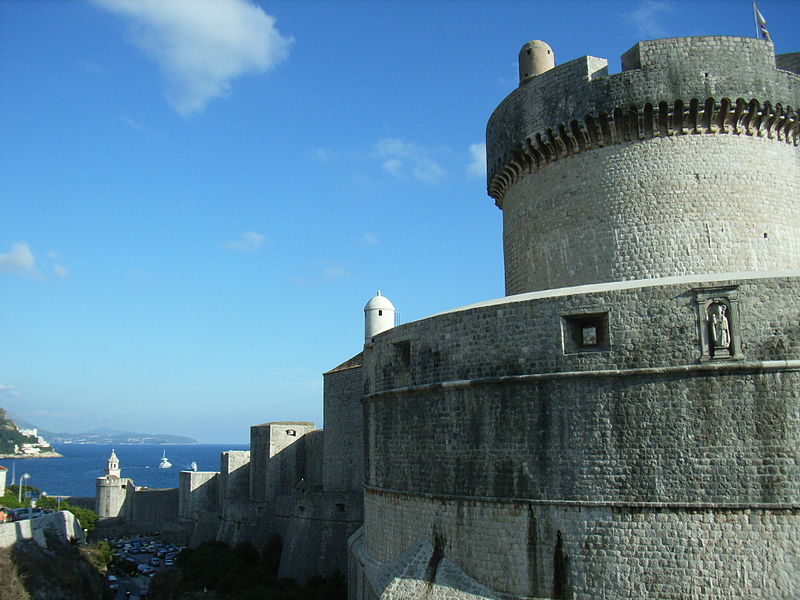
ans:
(718, 323)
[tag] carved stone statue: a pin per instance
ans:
(719, 326)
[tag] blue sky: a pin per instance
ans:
(198, 198)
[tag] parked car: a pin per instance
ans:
(22, 514)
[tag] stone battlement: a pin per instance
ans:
(667, 87)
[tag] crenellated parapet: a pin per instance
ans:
(687, 162)
(667, 87)
(631, 123)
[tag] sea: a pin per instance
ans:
(74, 474)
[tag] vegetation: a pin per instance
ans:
(28, 571)
(87, 517)
(100, 554)
(240, 573)
(11, 586)
(10, 499)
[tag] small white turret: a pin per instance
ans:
(379, 314)
(112, 469)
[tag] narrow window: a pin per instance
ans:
(403, 351)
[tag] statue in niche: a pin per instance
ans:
(720, 328)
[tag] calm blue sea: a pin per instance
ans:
(75, 473)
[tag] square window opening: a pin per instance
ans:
(585, 333)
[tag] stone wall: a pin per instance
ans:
(62, 524)
(199, 493)
(110, 496)
(314, 526)
(234, 477)
(344, 437)
(788, 62)
(276, 459)
(259, 458)
(151, 510)
(591, 550)
(654, 208)
(568, 471)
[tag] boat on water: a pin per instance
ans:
(164, 464)
(193, 466)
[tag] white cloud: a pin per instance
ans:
(137, 126)
(200, 46)
(477, 166)
(92, 67)
(322, 154)
(393, 165)
(646, 17)
(56, 265)
(8, 391)
(249, 240)
(370, 239)
(334, 272)
(19, 261)
(399, 156)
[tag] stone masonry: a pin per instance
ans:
(625, 423)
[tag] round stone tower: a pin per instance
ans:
(634, 438)
(685, 163)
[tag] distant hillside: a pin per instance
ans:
(24, 442)
(10, 435)
(113, 436)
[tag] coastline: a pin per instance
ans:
(40, 455)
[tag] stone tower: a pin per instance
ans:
(111, 489)
(625, 423)
(684, 163)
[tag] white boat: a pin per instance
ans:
(193, 466)
(164, 464)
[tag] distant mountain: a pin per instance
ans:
(115, 436)
(108, 430)
(101, 435)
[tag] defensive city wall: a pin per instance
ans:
(625, 422)
(566, 465)
(297, 482)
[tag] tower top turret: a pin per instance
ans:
(535, 58)
(379, 315)
(112, 468)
